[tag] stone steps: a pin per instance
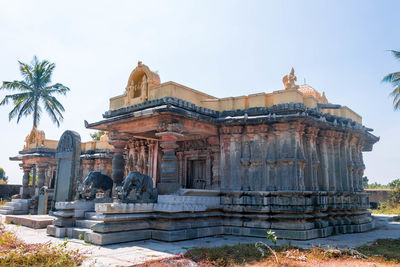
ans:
(91, 215)
(15, 207)
(85, 223)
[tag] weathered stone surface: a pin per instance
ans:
(93, 182)
(32, 221)
(68, 160)
(117, 237)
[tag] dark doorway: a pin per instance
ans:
(196, 176)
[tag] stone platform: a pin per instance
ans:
(31, 221)
(291, 215)
(16, 207)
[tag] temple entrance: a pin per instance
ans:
(196, 174)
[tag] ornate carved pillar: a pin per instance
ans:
(42, 174)
(169, 134)
(337, 160)
(151, 145)
(25, 181)
(344, 152)
(359, 164)
(119, 141)
(351, 163)
(311, 169)
(331, 159)
(271, 163)
(285, 156)
(257, 163)
(324, 159)
(225, 141)
(180, 169)
(216, 162)
(297, 131)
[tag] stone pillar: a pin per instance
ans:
(344, 162)
(311, 169)
(34, 169)
(151, 145)
(337, 160)
(231, 157)
(323, 183)
(331, 159)
(25, 181)
(225, 173)
(169, 163)
(119, 141)
(41, 176)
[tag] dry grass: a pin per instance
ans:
(387, 208)
(14, 252)
(384, 252)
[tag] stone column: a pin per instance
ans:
(311, 170)
(323, 183)
(25, 181)
(151, 145)
(119, 141)
(331, 159)
(34, 169)
(225, 171)
(169, 163)
(41, 177)
(337, 160)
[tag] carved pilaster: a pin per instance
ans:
(41, 176)
(169, 163)
(311, 168)
(213, 143)
(337, 159)
(331, 159)
(324, 162)
(230, 157)
(25, 180)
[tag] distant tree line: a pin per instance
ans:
(393, 184)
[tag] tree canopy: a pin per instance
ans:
(35, 91)
(394, 79)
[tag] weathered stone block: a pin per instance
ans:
(117, 237)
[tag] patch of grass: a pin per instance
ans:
(226, 255)
(247, 254)
(389, 249)
(387, 208)
(15, 252)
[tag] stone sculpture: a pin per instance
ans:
(68, 163)
(93, 182)
(289, 81)
(143, 186)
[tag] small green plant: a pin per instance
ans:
(261, 245)
(80, 236)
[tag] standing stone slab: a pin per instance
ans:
(42, 201)
(68, 160)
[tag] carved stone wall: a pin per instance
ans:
(290, 157)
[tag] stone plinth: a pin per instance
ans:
(32, 221)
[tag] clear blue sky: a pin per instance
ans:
(224, 48)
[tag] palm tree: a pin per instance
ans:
(35, 90)
(394, 79)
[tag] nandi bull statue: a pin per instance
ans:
(93, 182)
(143, 186)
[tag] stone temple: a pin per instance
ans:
(287, 161)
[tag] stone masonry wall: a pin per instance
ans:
(8, 190)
